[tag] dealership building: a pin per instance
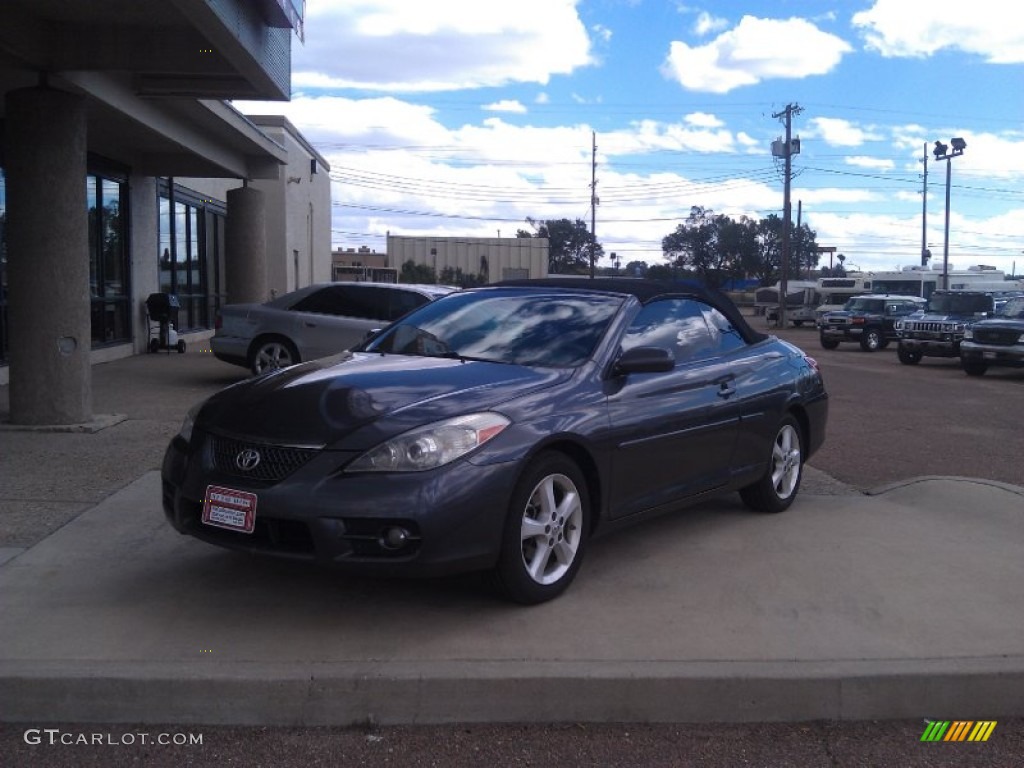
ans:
(125, 172)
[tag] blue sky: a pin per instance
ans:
(462, 118)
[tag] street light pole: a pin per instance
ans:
(944, 152)
(945, 239)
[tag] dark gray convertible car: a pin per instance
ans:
(499, 429)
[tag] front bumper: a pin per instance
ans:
(993, 354)
(932, 347)
(455, 514)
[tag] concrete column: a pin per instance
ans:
(48, 258)
(245, 247)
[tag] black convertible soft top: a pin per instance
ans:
(648, 290)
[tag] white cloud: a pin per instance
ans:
(839, 133)
(706, 24)
(991, 29)
(874, 163)
(602, 32)
(755, 50)
(703, 120)
(395, 45)
(505, 105)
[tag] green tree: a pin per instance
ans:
(698, 245)
(412, 272)
(570, 245)
(636, 269)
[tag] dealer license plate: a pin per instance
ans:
(229, 508)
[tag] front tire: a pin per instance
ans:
(908, 356)
(871, 340)
(545, 531)
(828, 343)
(973, 367)
(779, 485)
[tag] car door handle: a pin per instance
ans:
(309, 324)
(726, 387)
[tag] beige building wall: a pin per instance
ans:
(298, 209)
(493, 258)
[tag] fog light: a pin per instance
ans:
(395, 537)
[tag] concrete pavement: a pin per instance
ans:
(904, 602)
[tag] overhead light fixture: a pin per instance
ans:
(959, 145)
(940, 150)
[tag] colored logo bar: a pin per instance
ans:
(958, 730)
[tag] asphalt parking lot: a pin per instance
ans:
(888, 423)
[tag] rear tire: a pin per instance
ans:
(271, 353)
(545, 532)
(778, 487)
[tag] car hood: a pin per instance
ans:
(940, 317)
(1003, 323)
(326, 401)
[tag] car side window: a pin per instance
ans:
(319, 302)
(674, 324)
(400, 302)
(362, 301)
(724, 337)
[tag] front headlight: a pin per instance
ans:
(968, 334)
(899, 325)
(185, 433)
(431, 446)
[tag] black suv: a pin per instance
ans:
(996, 341)
(938, 329)
(869, 320)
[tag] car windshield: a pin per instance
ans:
(865, 305)
(504, 326)
(959, 304)
(1014, 308)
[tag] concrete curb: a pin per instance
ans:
(511, 692)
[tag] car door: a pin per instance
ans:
(335, 318)
(667, 438)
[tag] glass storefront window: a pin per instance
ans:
(189, 257)
(108, 261)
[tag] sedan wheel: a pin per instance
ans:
(545, 531)
(777, 488)
(272, 354)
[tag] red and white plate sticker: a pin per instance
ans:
(229, 508)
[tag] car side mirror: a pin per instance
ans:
(644, 360)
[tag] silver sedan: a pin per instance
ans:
(312, 322)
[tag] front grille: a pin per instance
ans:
(275, 462)
(1004, 337)
(930, 327)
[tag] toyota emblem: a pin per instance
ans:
(248, 459)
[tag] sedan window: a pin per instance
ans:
(402, 302)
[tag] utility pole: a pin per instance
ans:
(924, 211)
(593, 203)
(787, 153)
(800, 253)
